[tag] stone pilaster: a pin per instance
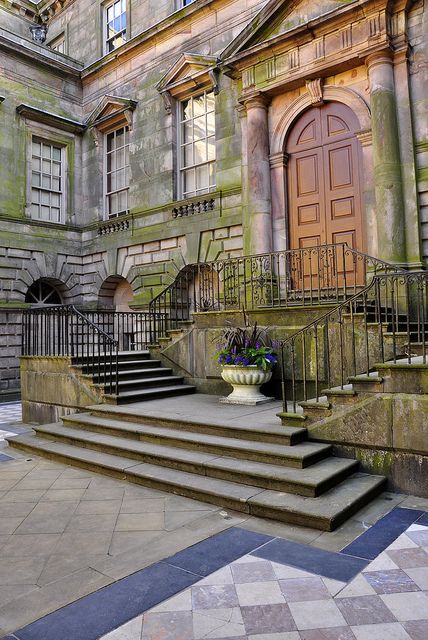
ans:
(258, 218)
(278, 165)
(386, 158)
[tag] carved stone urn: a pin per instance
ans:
(246, 383)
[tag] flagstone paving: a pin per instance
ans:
(257, 599)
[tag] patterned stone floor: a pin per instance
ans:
(256, 599)
(10, 412)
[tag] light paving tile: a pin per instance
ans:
(130, 631)
(59, 495)
(407, 606)
(124, 541)
(402, 542)
(34, 544)
(20, 571)
(102, 493)
(227, 630)
(16, 508)
(48, 517)
(142, 505)
(357, 587)
(259, 593)
(203, 625)
(29, 495)
(59, 566)
(333, 586)
(98, 507)
(419, 537)
(316, 614)
(222, 576)
(419, 575)
(284, 571)
(382, 563)
(390, 631)
(71, 483)
(175, 625)
(94, 523)
(11, 592)
(9, 524)
(180, 602)
(261, 571)
(75, 541)
(333, 633)
(176, 519)
(140, 522)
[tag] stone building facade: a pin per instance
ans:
(142, 136)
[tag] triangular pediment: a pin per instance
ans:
(109, 107)
(279, 17)
(189, 66)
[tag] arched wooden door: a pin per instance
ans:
(324, 169)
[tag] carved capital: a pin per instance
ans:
(168, 101)
(256, 101)
(383, 56)
(315, 89)
(365, 137)
(278, 160)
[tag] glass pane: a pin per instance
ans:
(187, 155)
(199, 127)
(113, 203)
(55, 199)
(35, 179)
(46, 151)
(116, 9)
(44, 197)
(210, 101)
(120, 158)
(120, 138)
(110, 140)
(111, 162)
(56, 169)
(189, 181)
(35, 210)
(200, 151)
(198, 106)
(110, 14)
(56, 184)
(123, 21)
(46, 182)
(56, 153)
(211, 148)
(111, 182)
(126, 135)
(36, 148)
(35, 195)
(202, 178)
(211, 123)
(123, 5)
(212, 174)
(46, 166)
(120, 179)
(187, 129)
(123, 201)
(36, 164)
(186, 109)
(45, 211)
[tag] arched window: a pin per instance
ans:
(42, 292)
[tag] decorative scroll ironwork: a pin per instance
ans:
(312, 276)
(384, 322)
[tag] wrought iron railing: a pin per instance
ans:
(65, 331)
(92, 338)
(385, 321)
(311, 276)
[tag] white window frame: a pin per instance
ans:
(59, 41)
(182, 169)
(124, 32)
(107, 194)
(36, 138)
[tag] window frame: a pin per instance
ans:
(105, 40)
(105, 208)
(181, 169)
(58, 40)
(40, 137)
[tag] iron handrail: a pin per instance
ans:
(310, 276)
(378, 324)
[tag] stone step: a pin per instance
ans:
(300, 455)
(132, 374)
(123, 365)
(139, 395)
(141, 384)
(324, 512)
(123, 356)
(311, 481)
(249, 431)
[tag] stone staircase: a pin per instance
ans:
(140, 378)
(268, 471)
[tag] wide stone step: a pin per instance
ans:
(300, 455)
(324, 512)
(139, 395)
(127, 420)
(147, 383)
(310, 481)
(96, 367)
(132, 374)
(122, 356)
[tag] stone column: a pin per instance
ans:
(386, 159)
(258, 218)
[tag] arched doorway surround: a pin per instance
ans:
(355, 115)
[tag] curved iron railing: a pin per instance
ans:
(385, 321)
(310, 276)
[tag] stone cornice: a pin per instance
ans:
(59, 122)
(24, 8)
(43, 55)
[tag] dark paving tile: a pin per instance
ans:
(335, 633)
(110, 607)
(417, 629)
(252, 572)
(423, 519)
(395, 581)
(409, 558)
(218, 551)
(301, 556)
(304, 589)
(361, 610)
(375, 540)
(173, 625)
(5, 458)
(267, 618)
(214, 596)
